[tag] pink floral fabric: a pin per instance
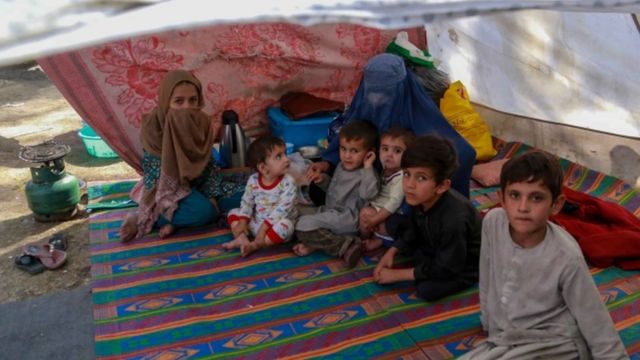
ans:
(242, 67)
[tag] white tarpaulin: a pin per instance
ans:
(36, 28)
(579, 69)
(573, 62)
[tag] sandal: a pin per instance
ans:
(50, 257)
(59, 242)
(29, 263)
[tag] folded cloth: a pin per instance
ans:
(298, 105)
(607, 233)
(401, 46)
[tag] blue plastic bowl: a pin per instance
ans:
(94, 144)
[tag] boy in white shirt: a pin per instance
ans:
(393, 143)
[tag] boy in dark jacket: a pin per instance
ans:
(443, 231)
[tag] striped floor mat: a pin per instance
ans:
(186, 298)
(577, 177)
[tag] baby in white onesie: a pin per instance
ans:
(267, 210)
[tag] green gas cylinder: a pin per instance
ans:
(52, 193)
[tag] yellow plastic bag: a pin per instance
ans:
(456, 107)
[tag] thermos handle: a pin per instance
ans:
(234, 143)
(230, 119)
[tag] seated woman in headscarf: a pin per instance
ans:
(180, 177)
(388, 96)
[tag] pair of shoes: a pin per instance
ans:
(29, 263)
(353, 254)
(37, 258)
(50, 257)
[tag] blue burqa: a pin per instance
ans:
(388, 96)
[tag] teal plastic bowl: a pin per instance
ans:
(94, 144)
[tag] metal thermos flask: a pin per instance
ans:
(233, 145)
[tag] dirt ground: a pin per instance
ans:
(31, 112)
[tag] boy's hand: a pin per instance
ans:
(365, 221)
(385, 276)
(386, 262)
(373, 220)
(387, 259)
(369, 159)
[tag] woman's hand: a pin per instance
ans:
(216, 125)
(322, 177)
(214, 202)
(316, 170)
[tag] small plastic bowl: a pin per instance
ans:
(310, 152)
(94, 144)
(289, 148)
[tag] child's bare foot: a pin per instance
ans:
(372, 244)
(129, 228)
(302, 250)
(236, 243)
(353, 255)
(166, 230)
(247, 249)
(229, 245)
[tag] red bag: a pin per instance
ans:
(298, 105)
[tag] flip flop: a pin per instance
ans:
(59, 242)
(29, 264)
(50, 257)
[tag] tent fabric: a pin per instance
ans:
(242, 67)
(576, 69)
(569, 67)
(42, 27)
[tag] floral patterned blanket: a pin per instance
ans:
(242, 67)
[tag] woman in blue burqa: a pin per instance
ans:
(389, 96)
